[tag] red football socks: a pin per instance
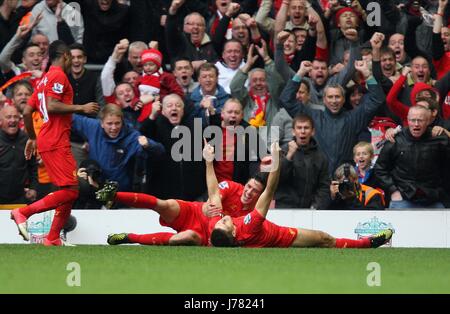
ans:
(62, 213)
(349, 243)
(160, 238)
(137, 200)
(51, 201)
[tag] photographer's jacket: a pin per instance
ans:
(366, 198)
(415, 167)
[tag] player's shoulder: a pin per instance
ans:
(56, 73)
(223, 185)
(253, 217)
(227, 184)
(57, 81)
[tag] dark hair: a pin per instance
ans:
(302, 118)
(221, 238)
(387, 50)
(57, 49)
(77, 46)
(298, 29)
(208, 67)
(122, 83)
(234, 41)
(178, 59)
(432, 103)
(306, 83)
(29, 45)
(261, 177)
(350, 91)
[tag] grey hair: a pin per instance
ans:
(193, 14)
(172, 96)
(250, 74)
(420, 108)
(334, 85)
(138, 45)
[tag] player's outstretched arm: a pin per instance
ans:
(211, 179)
(55, 106)
(263, 203)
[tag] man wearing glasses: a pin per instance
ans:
(413, 169)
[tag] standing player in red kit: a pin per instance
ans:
(253, 230)
(53, 98)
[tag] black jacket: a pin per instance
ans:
(180, 45)
(415, 167)
(103, 29)
(168, 178)
(16, 173)
(304, 181)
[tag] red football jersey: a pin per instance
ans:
(253, 230)
(55, 132)
(231, 193)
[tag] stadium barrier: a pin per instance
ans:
(414, 228)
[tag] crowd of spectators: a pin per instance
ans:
(356, 92)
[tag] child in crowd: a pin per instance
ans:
(362, 156)
(154, 84)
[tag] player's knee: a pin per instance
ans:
(325, 239)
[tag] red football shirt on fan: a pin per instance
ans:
(224, 168)
(55, 132)
(253, 230)
(231, 193)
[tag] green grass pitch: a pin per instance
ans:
(146, 269)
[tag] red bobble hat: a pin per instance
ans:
(342, 11)
(151, 55)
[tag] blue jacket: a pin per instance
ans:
(115, 156)
(196, 98)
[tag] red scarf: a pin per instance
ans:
(216, 23)
(289, 58)
(259, 112)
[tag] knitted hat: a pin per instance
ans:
(149, 85)
(151, 55)
(342, 11)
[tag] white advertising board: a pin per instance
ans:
(412, 228)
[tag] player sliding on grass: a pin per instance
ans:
(196, 232)
(253, 230)
(189, 219)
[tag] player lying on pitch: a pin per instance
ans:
(253, 230)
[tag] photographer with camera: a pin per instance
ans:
(348, 194)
